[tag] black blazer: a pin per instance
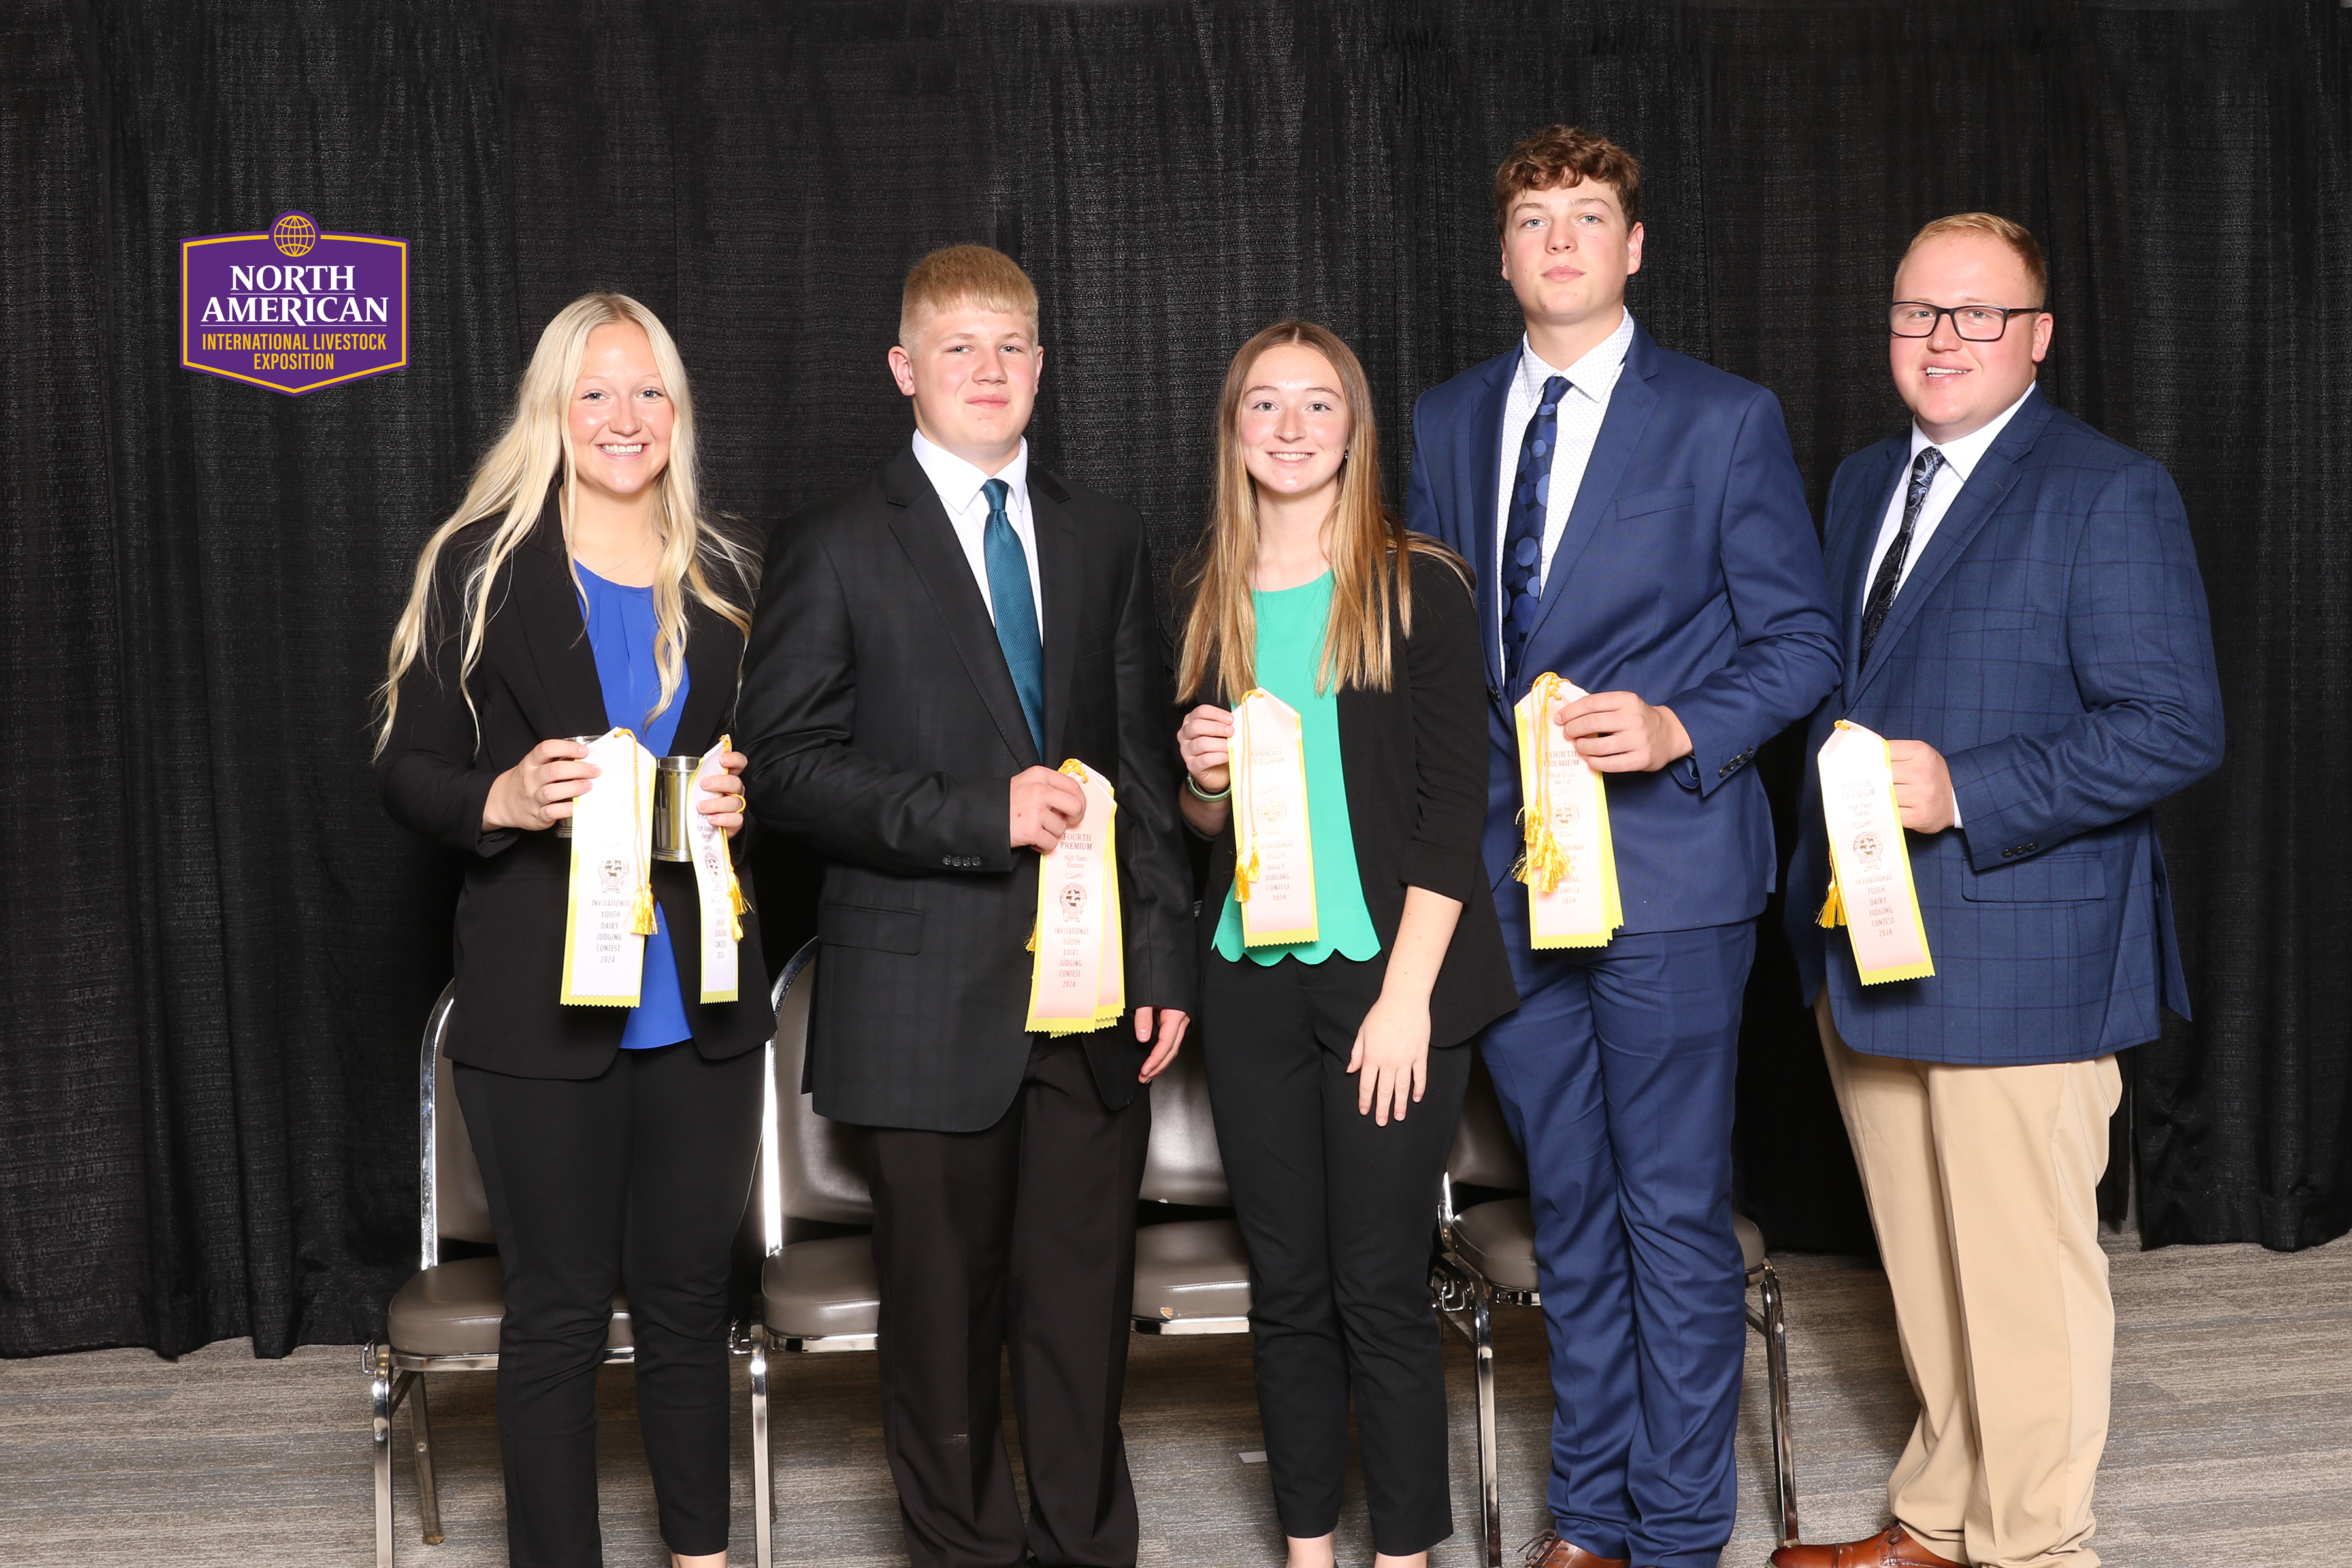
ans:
(1416, 759)
(882, 727)
(537, 680)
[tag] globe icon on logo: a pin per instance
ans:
(293, 235)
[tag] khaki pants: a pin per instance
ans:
(1982, 1183)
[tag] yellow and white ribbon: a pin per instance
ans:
(1273, 853)
(610, 909)
(721, 895)
(1569, 861)
(1871, 890)
(1079, 981)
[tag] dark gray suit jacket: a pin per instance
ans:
(882, 727)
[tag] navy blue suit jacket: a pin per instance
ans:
(1688, 573)
(2053, 643)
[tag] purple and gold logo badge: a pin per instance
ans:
(293, 309)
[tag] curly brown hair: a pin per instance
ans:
(1561, 156)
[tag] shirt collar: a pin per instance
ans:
(958, 482)
(1964, 453)
(1594, 375)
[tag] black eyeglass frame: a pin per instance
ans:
(1953, 311)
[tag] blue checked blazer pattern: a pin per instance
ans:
(2052, 643)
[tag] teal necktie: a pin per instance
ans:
(1016, 610)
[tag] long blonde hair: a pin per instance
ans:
(510, 485)
(1362, 538)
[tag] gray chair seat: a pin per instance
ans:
(1751, 1243)
(1190, 1269)
(815, 1289)
(1498, 1239)
(454, 1309)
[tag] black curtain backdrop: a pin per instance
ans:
(217, 953)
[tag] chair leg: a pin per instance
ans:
(1490, 1506)
(420, 1433)
(380, 1402)
(763, 1502)
(1776, 1366)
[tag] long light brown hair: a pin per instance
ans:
(510, 485)
(1361, 539)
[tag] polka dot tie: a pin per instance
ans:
(1523, 542)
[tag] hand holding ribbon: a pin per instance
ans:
(723, 800)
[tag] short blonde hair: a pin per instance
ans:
(970, 275)
(2015, 236)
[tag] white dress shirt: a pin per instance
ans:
(1961, 457)
(1591, 380)
(959, 484)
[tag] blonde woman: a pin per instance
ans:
(1336, 1067)
(580, 586)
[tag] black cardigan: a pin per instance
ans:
(1416, 758)
(537, 680)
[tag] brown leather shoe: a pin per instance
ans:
(1892, 1547)
(1548, 1550)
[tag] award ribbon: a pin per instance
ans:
(1078, 982)
(1274, 858)
(721, 896)
(610, 909)
(1570, 860)
(1871, 892)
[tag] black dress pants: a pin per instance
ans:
(1337, 1213)
(637, 1177)
(1024, 1232)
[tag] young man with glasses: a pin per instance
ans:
(2025, 625)
(1637, 526)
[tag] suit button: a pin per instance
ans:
(947, 859)
(2029, 848)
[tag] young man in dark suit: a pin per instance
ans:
(928, 645)
(1638, 528)
(2026, 628)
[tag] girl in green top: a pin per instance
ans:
(1334, 1112)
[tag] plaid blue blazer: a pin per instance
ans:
(2052, 643)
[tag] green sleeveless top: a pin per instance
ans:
(1290, 626)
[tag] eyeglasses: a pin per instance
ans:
(1975, 323)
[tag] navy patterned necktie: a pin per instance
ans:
(1522, 579)
(1016, 610)
(1890, 570)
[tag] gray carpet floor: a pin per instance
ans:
(2232, 1440)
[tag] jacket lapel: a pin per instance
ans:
(548, 597)
(1058, 543)
(1630, 406)
(1857, 535)
(1486, 473)
(920, 525)
(714, 660)
(1971, 509)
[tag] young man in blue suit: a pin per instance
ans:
(1637, 527)
(2025, 625)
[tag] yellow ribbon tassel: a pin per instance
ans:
(641, 912)
(1543, 865)
(1832, 913)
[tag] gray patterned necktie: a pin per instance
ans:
(1923, 468)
